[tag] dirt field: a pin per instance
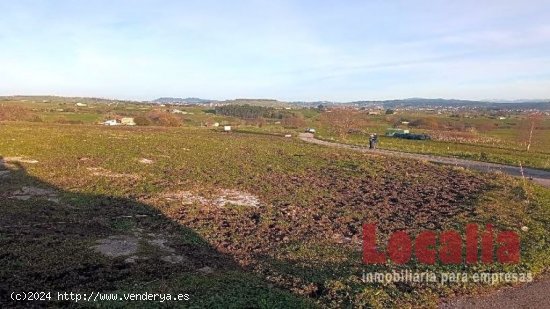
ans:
(243, 220)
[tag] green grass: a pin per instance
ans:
(503, 144)
(485, 153)
(301, 247)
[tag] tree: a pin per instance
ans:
(142, 120)
(528, 128)
(486, 127)
(344, 121)
(162, 118)
(249, 111)
(17, 113)
(429, 123)
(294, 121)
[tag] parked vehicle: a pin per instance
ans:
(412, 136)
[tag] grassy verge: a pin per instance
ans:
(484, 153)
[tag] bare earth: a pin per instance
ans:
(531, 295)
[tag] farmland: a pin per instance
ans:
(503, 142)
(274, 154)
(235, 219)
(490, 136)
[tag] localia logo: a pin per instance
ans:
(485, 246)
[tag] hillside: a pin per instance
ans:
(171, 100)
(257, 102)
(432, 103)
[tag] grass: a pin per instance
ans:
(500, 145)
(484, 153)
(301, 247)
(502, 141)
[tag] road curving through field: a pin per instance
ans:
(538, 176)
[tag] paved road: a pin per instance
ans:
(529, 296)
(539, 176)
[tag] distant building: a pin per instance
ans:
(81, 104)
(127, 121)
(227, 128)
(111, 122)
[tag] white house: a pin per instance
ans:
(111, 122)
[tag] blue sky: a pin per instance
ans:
(288, 50)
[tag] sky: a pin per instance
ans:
(296, 50)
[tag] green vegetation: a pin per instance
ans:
(249, 112)
(504, 142)
(259, 220)
(491, 136)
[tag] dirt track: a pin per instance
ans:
(539, 176)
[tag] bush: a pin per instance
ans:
(426, 123)
(17, 113)
(142, 121)
(249, 111)
(344, 121)
(162, 118)
(294, 121)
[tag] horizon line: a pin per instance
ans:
(525, 100)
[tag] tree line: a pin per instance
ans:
(249, 112)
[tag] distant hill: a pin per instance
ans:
(542, 105)
(527, 104)
(256, 102)
(420, 102)
(313, 103)
(61, 99)
(448, 103)
(252, 102)
(170, 100)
